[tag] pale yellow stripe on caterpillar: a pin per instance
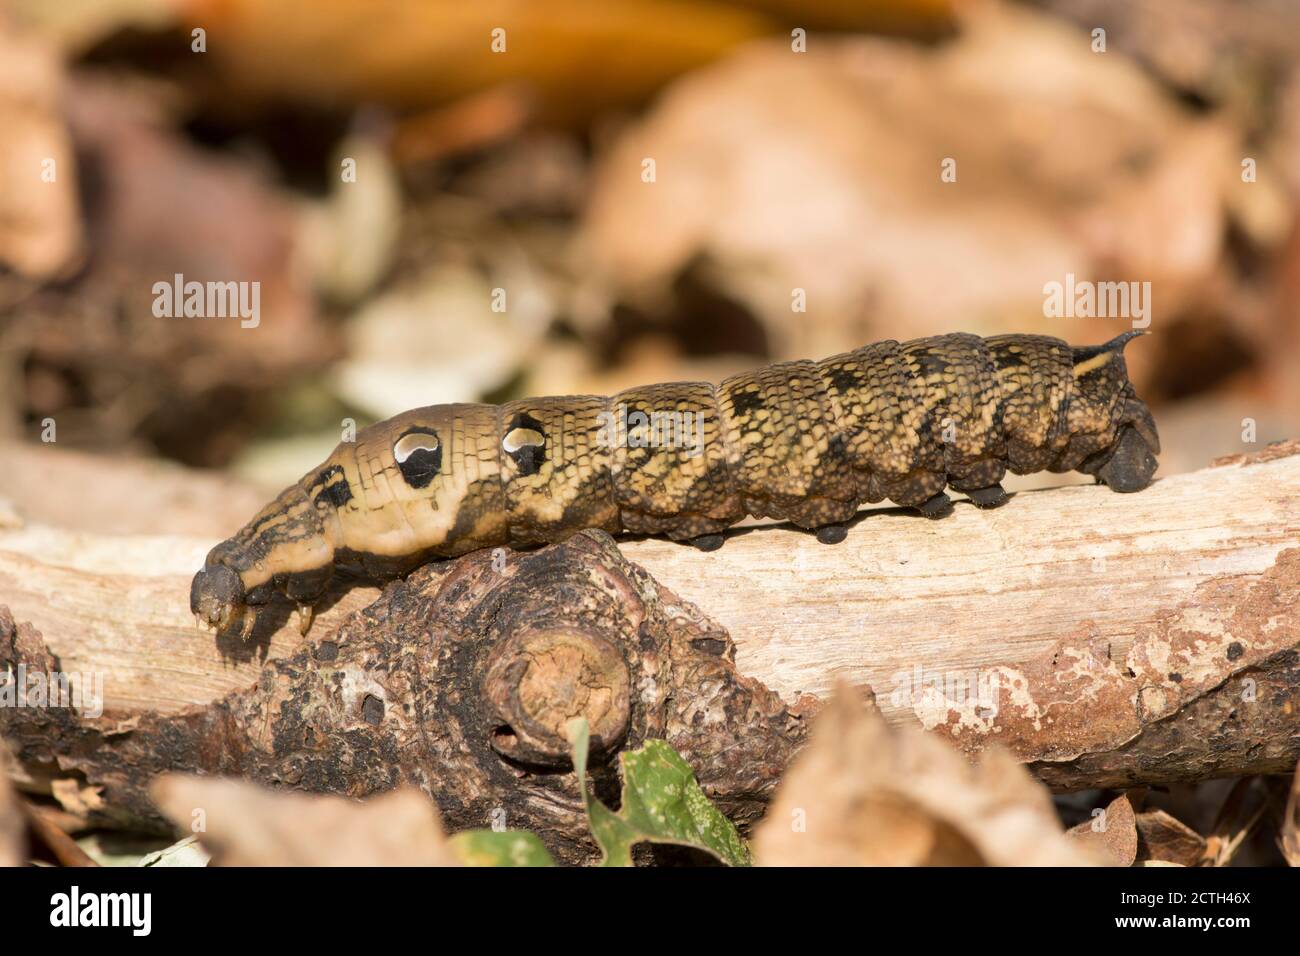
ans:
(375, 524)
(297, 551)
(470, 511)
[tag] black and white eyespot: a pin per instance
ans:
(418, 454)
(525, 442)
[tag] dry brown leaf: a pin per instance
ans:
(76, 797)
(1112, 832)
(578, 56)
(75, 25)
(245, 825)
(1165, 839)
(11, 516)
(40, 218)
(863, 794)
(12, 828)
(1167, 224)
(566, 368)
(169, 208)
(160, 208)
(1289, 839)
(909, 16)
(349, 240)
(439, 339)
(1241, 812)
(821, 171)
(1213, 47)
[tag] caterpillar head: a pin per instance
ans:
(1101, 382)
(217, 599)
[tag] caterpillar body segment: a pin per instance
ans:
(806, 442)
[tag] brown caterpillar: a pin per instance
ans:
(803, 441)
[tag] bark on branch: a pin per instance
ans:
(1106, 639)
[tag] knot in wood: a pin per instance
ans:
(540, 679)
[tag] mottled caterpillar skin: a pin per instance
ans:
(807, 442)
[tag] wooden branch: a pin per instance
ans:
(460, 680)
(62, 848)
(1087, 619)
(1107, 639)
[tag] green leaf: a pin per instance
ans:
(500, 848)
(662, 803)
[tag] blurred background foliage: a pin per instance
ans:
(522, 171)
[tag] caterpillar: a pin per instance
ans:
(807, 442)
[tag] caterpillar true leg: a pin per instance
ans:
(288, 546)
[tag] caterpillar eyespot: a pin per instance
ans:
(525, 443)
(418, 454)
(806, 442)
(414, 441)
(518, 439)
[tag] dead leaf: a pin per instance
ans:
(911, 17)
(1207, 46)
(488, 118)
(40, 216)
(421, 54)
(1165, 839)
(245, 825)
(76, 25)
(440, 339)
(166, 214)
(565, 368)
(1052, 144)
(1236, 820)
(169, 208)
(11, 518)
(76, 797)
(12, 827)
(1290, 836)
(1112, 832)
(1167, 224)
(349, 239)
(863, 794)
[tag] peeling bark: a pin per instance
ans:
(1210, 689)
